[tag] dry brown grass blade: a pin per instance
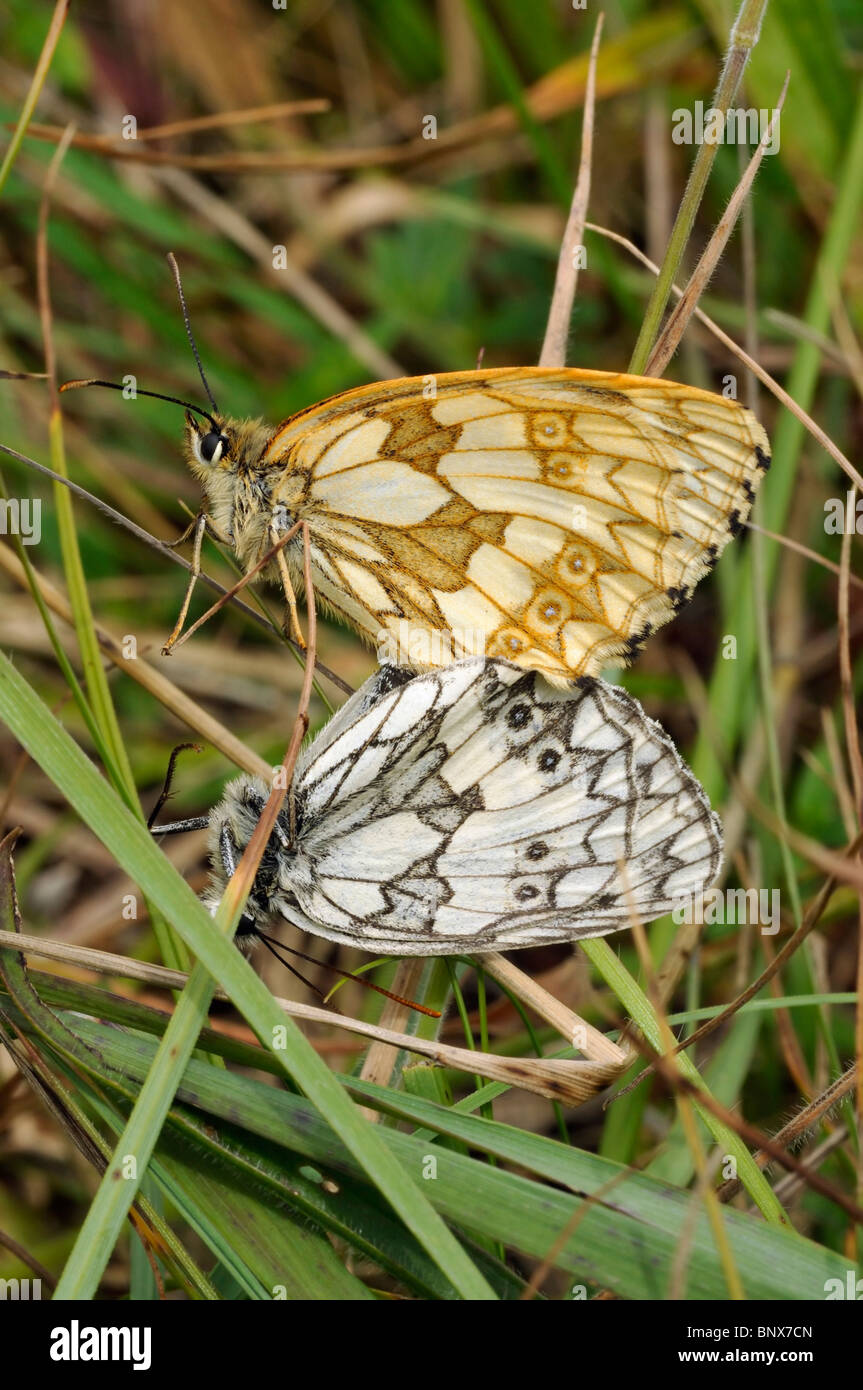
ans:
(169, 695)
(232, 162)
(837, 781)
(242, 880)
(221, 120)
(811, 1114)
(757, 370)
(553, 352)
(571, 1082)
(789, 1044)
(788, 1188)
(380, 1060)
(804, 550)
(557, 92)
(810, 920)
(289, 278)
(9, 1243)
(852, 743)
(850, 350)
(756, 1140)
(666, 344)
(665, 1068)
(605, 1060)
(595, 1045)
(858, 1040)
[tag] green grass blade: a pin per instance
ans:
(55, 29)
(640, 1010)
(126, 838)
(626, 1239)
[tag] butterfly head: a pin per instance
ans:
(221, 452)
(217, 444)
(232, 824)
(208, 446)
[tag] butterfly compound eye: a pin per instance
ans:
(210, 447)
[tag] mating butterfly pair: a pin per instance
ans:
(551, 520)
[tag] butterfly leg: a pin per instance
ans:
(181, 540)
(199, 527)
(295, 632)
(165, 793)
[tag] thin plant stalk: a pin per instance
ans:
(744, 37)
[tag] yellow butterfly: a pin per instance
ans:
(553, 517)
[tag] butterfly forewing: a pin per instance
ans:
(554, 518)
(480, 807)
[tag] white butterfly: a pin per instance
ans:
(471, 809)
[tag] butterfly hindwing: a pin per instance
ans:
(480, 807)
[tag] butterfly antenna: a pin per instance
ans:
(271, 946)
(172, 262)
(348, 975)
(154, 395)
